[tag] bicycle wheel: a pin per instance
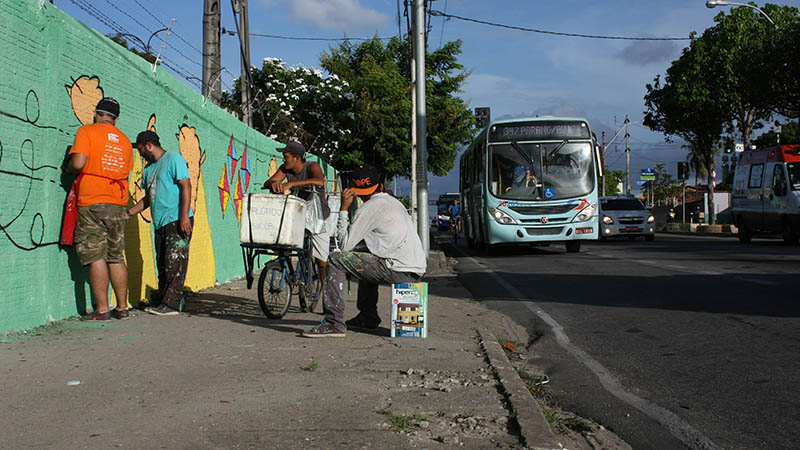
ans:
(311, 292)
(274, 290)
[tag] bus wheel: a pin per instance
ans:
(745, 235)
(573, 246)
(789, 236)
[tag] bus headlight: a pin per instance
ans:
(586, 214)
(501, 217)
(651, 219)
(608, 220)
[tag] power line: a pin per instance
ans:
(556, 33)
(298, 38)
(164, 25)
(114, 26)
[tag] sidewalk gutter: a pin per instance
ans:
(533, 426)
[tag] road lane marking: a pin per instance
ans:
(679, 428)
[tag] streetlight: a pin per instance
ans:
(715, 3)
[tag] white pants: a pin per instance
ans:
(321, 245)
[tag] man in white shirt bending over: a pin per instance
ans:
(395, 254)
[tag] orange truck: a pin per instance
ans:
(766, 193)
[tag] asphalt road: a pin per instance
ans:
(684, 342)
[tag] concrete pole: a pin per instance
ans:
(603, 157)
(628, 158)
(413, 135)
(244, 36)
(422, 147)
(212, 72)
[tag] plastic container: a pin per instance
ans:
(264, 214)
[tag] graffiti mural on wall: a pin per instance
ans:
(230, 182)
(23, 179)
(202, 266)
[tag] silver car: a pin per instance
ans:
(625, 216)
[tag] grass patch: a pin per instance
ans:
(534, 383)
(400, 422)
(563, 425)
(312, 367)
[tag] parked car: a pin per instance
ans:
(625, 216)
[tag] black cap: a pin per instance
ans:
(366, 179)
(108, 106)
(147, 136)
(294, 148)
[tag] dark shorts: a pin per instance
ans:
(100, 233)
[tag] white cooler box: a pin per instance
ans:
(265, 214)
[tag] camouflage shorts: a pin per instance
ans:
(100, 233)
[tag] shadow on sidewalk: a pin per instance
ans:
(246, 311)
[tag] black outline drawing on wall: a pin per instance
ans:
(27, 152)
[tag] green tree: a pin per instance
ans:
(614, 179)
(788, 135)
(298, 103)
(119, 38)
(664, 186)
(692, 104)
(748, 55)
(379, 76)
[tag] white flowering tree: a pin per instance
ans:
(299, 103)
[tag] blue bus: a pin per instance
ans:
(531, 180)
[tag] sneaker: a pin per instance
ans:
(94, 315)
(359, 322)
(162, 310)
(121, 313)
(323, 330)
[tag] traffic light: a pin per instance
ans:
(683, 170)
(482, 117)
(728, 150)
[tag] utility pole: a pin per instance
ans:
(603, 158)
(627, 157)
(244, 44)
(413, 137)
(212, 71)
(421, 167)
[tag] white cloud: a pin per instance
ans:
(339, 15)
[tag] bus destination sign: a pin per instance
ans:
(538, 131)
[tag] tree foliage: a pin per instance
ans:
(361, 112)
(614, 180)
(380, 76)
(664, 186)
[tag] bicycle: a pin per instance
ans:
(455, 228)
(292, 270)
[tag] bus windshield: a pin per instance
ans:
(541, 171)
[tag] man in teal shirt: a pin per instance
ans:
(168, 193)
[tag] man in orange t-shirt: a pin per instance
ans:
(103, 157)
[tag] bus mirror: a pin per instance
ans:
(599, 156)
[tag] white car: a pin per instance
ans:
(625, 216)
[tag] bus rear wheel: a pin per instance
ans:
(573, 246)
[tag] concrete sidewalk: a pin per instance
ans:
(224, 376)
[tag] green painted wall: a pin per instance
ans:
(51, 68)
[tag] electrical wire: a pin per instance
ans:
(114, 26)
(555, 33)
(298, 38)
(164, 25)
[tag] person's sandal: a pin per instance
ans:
(120, 313)
(94, 315)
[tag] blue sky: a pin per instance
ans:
(516, 73)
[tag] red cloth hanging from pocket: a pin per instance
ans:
(70, 214)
